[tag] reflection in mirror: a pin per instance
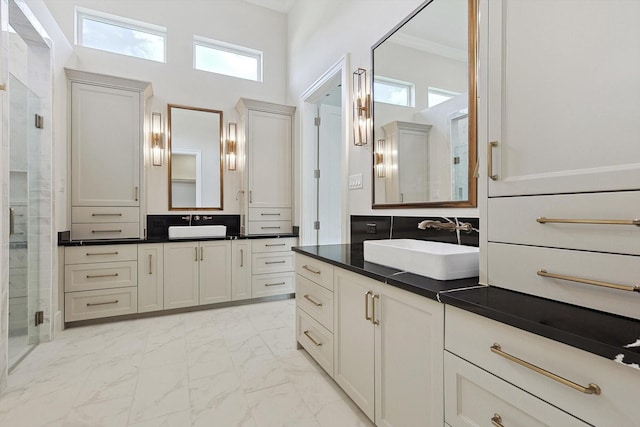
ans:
(195, 158)
(424, 124)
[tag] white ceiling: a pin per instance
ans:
(283, 6)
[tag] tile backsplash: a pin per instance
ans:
(158, 225)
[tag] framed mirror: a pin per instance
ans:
(195, 158)
(424, 109)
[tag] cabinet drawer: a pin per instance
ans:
(84, 277)
(314, 270)
(513, 220)
(111, 214)
(315, 300)
(269, 214)
(107, 230)
(273, 245)
(269, 227)
(474, 397)
(271, 262)
(103, 303)
(101, 253)
(266, 285)
(316, 340)
(471, 337)
(521, 268)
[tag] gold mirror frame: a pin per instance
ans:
(472, 202)
(169, 149)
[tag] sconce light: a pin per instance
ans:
(361, 108)
(157, 140)
(232, 146)
(379, 158)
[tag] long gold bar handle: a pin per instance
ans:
(545, 220)
(196, 258)
(12, 222)
(318, 344)
(241, 257)
(591, 389)
(306, 267)
(106, 214)
(274, 244)
(101, 275)
(150, 263)
(317, 304)
(366, 305)
(106, 231)
(628, 288)
(137, 190)
(496, 420)
(201, 253)
(91, 304)
(373, 309)
(492, 145)
(101, 253)
(274, 262)
(275, 284)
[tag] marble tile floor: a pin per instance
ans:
(235, 366)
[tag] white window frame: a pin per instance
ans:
(82, 13)
(388, 81)
(441, 92)
(230, 48)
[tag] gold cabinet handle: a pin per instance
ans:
(269, 214)
(590, 389)
(317, 304)
(270, 228)
(106, 231)
(274, 284)
(492, 145)
(106, 214)
(274, 262)
(101, 253)
(274, 244)
(241, 257)
(496, 420)
(201, 253)
(628, 288)
(373, 309)
(545, 220)
(101, 275)
(3, 87)
(306, 267)
(318, 344)
(150, 263)
(12, 222)
(250, 196)
(366, 305)
(137, 190)
(196, 258)
(91, 304)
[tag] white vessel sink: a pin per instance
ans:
(441, 261)
(195, 232)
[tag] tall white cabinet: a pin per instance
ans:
(267, 183)
(106, 129)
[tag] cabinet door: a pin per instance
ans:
(180, 274)
(105, 146)
(240, 270)
(409, 361)
(215, 272)
(269, 159)
(354, 338)
(150, 277)
(563, 98)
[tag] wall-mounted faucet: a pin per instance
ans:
(187, 218)
(449, 225)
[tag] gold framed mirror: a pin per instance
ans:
(424, 89)
(195, 158)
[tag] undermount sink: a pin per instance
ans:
(441, 261)
(196, 232)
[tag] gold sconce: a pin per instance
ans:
(157, 139)
(379, 158)
(361, 108)
(232, 146)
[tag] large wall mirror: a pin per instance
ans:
(424, 109)
(195, 161)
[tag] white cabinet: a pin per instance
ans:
(268, 169)
(196, 273)
(150, 277)
(388, 351)
(107, 128)
(240, 269)
(272, 267)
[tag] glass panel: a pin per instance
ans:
(223, 61)
(389, 93)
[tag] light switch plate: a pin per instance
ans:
(355, 181)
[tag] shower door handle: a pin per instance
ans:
(12, 222)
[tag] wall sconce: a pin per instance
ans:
(379, 158)
(232, 146)
(361, 108)
(157, 140)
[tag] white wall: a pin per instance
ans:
(176, 82)
(320, 33)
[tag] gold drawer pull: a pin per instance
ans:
(102, 275)
(628, 288)
(317, 304)
(269, 214)
(275, 244)
(373, 309)
(545, 220)
(492, 145)
(496, 420)
(101, 253)
(366, 305)
(274, 284)
(306, 267)
(270, 228)
(591, 389)
(106, 231)
(106, 214)
(274, 262)
(91, 304)
(318, 344)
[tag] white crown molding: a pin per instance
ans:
(429, 46)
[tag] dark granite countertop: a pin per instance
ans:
(62, 242)
(610, 336)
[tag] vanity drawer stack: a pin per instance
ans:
(269, 221)
(100, 281)
(91, 223)
(314, 309)
(585, 387)
(272, 268)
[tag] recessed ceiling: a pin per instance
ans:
(283, 6)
